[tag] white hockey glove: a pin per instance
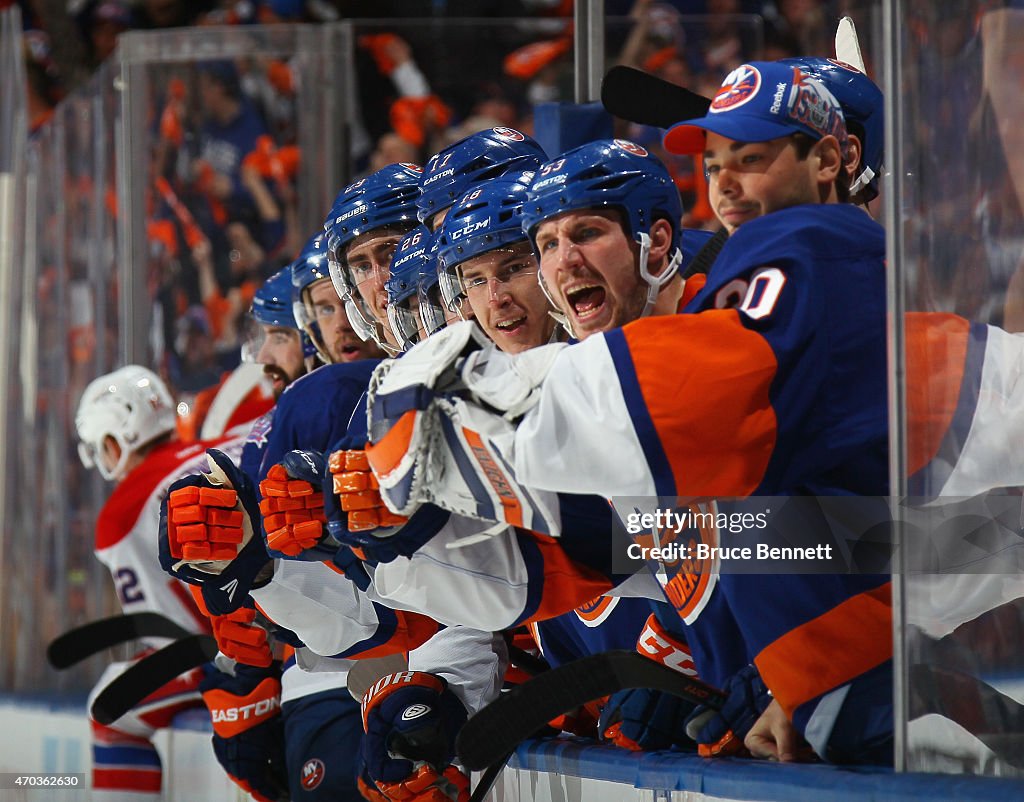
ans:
(509, 384)
(431, 446)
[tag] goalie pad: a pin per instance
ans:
(450, 455)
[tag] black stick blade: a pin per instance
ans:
(150, 674)
(81, 642)
(513, 717)
(643, 98)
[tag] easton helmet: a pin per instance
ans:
(486, 154)
(611, 174)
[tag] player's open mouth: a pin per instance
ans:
(350, 352)
(514, 326)
(586, 301)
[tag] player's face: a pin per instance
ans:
(340, 341)
(590, 268)
(281, 356)
(502, 290)
(750, 179)
(369, 264)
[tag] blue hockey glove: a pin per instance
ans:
(411, 720)
(720, 733)
(248, 735)
(643, 718)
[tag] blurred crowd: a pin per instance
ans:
(222, 208)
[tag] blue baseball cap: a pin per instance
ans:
(760, 101)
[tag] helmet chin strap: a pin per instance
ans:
(862, 180)
(655, 283)
(559, 317)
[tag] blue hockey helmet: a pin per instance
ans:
(384, 200)
(864, 109)
(486, 154)
(484, 219)
(309, 268)
(611, 174)
(432, 306)
(412, 256)
(272, 302)
(272, 306)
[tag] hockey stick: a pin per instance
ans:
(513, 717)
(643, 98)
(848, 45)
(150, 674)
(991, 716)
(706, 256)
(489, 778)
(533, 666)
(81, 642)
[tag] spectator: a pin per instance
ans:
(101, 22)
(230, 130)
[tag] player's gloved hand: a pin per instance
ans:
(292, 505)
(248, 735)
(358, 518)
(358, 492)
(411, 720)
(367, 789)
(643, 718)
(241, 638)
(721, 732)
(206, 538)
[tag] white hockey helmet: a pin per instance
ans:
(130, 405)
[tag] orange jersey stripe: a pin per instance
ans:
(711, 408)
(567, 584)
(830, 650)
(936, 349)
(694, 284)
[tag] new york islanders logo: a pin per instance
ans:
(689, 580)
(739, 87)
(313, 771)
(509, 133)
(630, 147)
(596, 610)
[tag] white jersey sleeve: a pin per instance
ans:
(325, 609)
(583, 411)
(472, 661)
